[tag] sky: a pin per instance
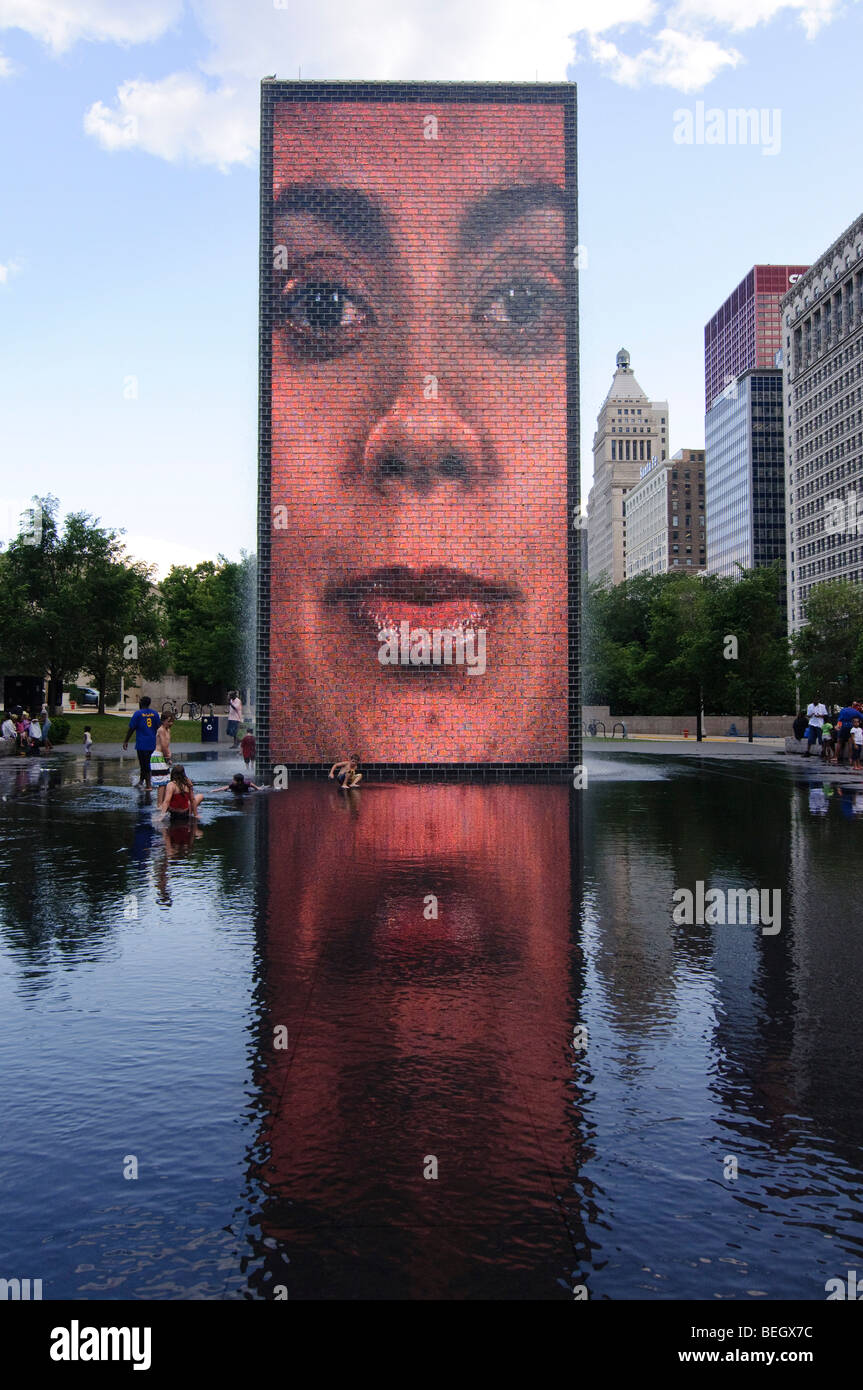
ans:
(129, 212)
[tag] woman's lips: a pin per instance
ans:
(432, 598)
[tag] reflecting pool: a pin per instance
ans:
(430, 1040)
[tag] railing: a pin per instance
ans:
(189, 709)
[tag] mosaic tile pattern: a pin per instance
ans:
(418, 434)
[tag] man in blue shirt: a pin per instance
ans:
(143, 725)
(842, 726)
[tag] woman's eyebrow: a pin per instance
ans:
(497, 210)
(352, 214)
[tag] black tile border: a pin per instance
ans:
(516, 93)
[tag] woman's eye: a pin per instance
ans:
(517, 304)
(323, 315)
(526, 313)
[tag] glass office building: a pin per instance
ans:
(744, 474)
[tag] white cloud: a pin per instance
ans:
(179, 117)
(209, 114)
(586, 17)
(60, 23)
(6, 270)
(686, 62)
(738, 15)
(216, 121)
(5, 66)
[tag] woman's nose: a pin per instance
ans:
(419, 445)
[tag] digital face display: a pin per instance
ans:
(418, 464)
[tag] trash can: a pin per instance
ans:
(210, 728)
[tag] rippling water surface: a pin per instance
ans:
(429, 1041)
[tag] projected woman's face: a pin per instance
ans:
(419, 574)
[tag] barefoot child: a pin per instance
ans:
(160, 762)
(249, 747)
(346, 773)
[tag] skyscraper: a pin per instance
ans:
(823, 369)
(665, 526)
(744, 474)
(630, 431)
(747, 331)
(743, 430)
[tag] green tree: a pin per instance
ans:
(207, 615)
(682, 643)
(759, 673)
(657, 644)
(40, 572)
(76, 596)
(621, 670)
(126, 625)
(828, 649)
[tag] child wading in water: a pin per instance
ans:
(346, 773)
(249, 746)
(181, 801)
(239, 786)
(160, 762)
(88, 740)
(827, 743)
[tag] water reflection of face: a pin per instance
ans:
(419, 430)
(414, 1034)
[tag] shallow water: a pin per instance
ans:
(431, 956)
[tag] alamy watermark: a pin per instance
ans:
(729, 907)
(422, 646)
(736, 126)
(20, 1290)
(845, 515)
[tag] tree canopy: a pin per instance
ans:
(209, 620)
(76, 602)
(659, 644)
(828, 650)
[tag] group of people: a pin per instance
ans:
(30, 734)
(838, 732)
(176, 795)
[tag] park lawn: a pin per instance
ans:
(110, 728)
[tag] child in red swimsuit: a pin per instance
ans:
(181, 800)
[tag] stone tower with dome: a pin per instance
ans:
(630, 431)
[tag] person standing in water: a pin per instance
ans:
(160, 762)
(235, 716)
(143, 725)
